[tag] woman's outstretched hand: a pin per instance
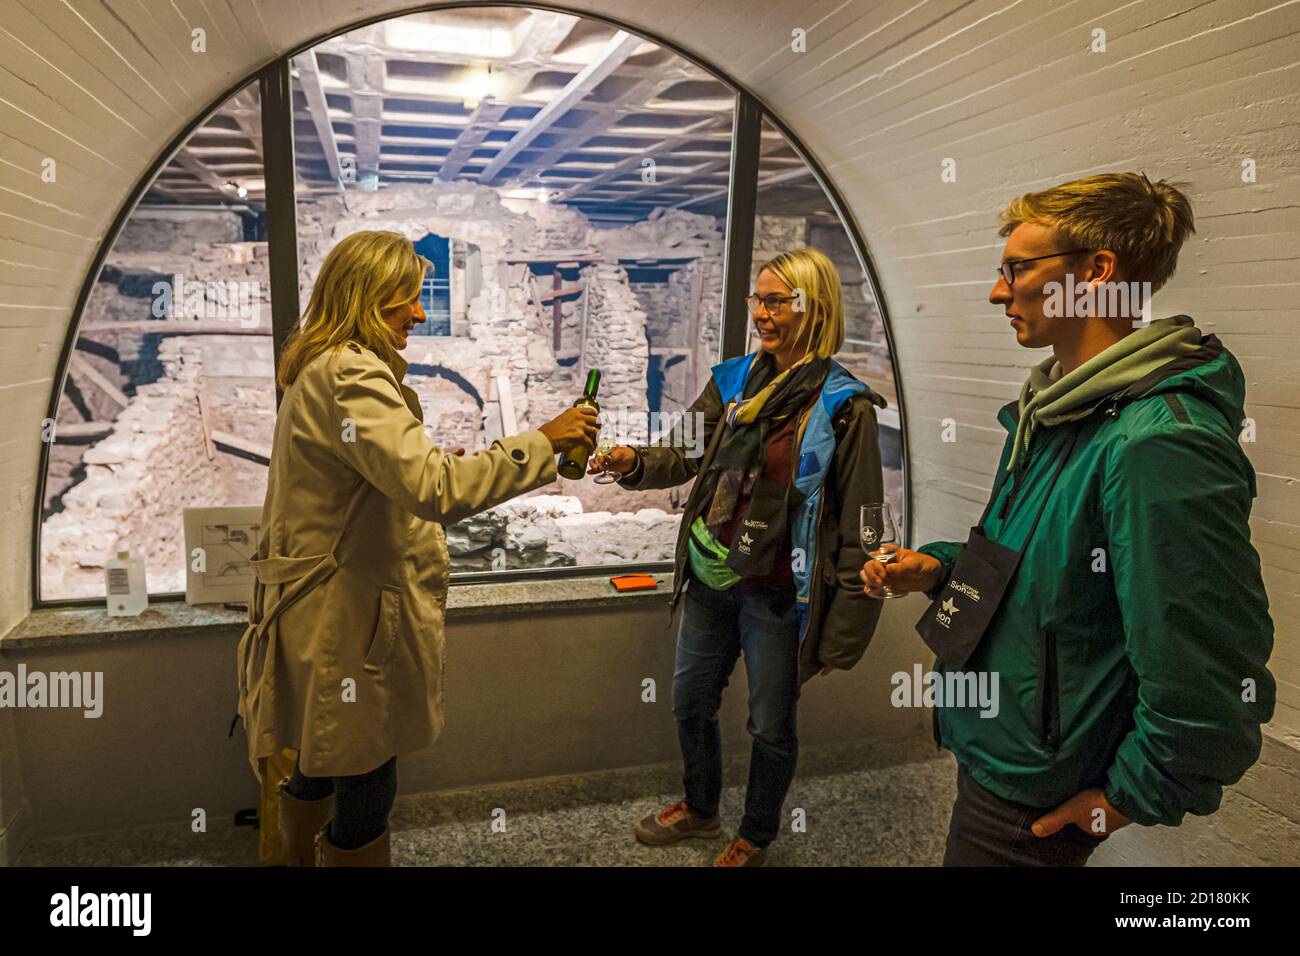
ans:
(621, 460)
(572, 428)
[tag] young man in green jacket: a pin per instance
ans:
(1111, 593)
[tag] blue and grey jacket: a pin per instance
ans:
(838, 470)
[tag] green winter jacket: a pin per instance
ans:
(1131, 645)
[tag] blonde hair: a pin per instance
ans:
(1143, 223)
(811, 272)
(367, 272)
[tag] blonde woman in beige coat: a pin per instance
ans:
(343, 657)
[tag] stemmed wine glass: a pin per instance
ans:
(604, 445)
(879, 532)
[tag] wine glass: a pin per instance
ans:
(604, 445)
(879, 532)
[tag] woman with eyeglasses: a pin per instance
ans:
(768, 552)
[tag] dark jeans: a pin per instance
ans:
(361, 803)
(987, 830)
(716, 628)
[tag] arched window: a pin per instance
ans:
(581, 190)
(168, 399)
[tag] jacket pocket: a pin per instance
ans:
(1049, 694)
(384, 637)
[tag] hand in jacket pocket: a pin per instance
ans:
(1082, 810)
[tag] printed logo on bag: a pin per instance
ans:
(944, 616)
(961, 587)
(753, 523)
(746, 543)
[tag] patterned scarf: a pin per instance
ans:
(747, 421)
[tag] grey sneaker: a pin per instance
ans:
(676, 822)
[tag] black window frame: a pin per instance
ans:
(282, 254)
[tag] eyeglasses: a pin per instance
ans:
(1008, 271)
(772, 302)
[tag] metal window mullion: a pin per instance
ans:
(742, 204)
(276, 89)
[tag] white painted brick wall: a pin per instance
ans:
(885, 91)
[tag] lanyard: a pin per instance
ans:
(997, 488)
(954, 624)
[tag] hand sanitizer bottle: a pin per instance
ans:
(127, 592)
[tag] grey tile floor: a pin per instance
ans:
(859, 808)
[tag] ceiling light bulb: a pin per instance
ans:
(479, 85)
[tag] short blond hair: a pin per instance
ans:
(1143, 223)
(364, 274)
(813, 272)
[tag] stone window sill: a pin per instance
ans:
(68, 627)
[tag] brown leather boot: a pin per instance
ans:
(374, 853)
(300, 820)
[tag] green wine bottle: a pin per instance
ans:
(574, 463)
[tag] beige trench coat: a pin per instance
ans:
(343, 657)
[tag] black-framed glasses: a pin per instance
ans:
(772, 302)
(1008, 267)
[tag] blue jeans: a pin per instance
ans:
(716, 628)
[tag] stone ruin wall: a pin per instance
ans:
(504, 328)
(127, 490)
(776, 234)
(139, 479)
